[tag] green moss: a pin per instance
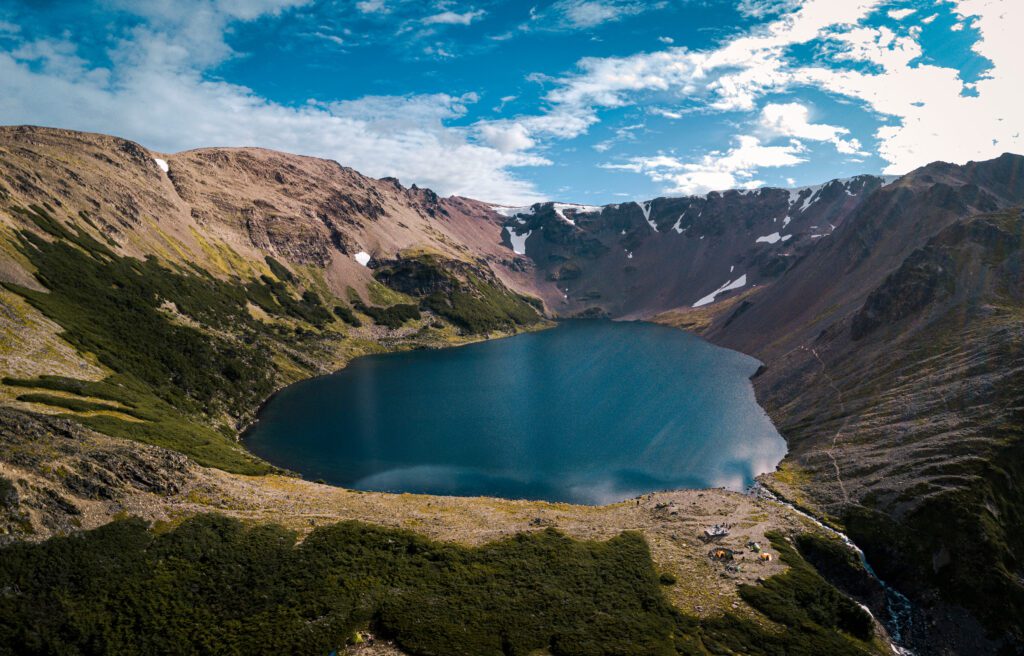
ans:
(191, 379)
(215, 586)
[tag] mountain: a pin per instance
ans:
(160, 298)
(637, 259)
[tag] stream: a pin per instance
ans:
(898, 607)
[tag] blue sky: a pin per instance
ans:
(591, 101)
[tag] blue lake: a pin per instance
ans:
(588, 412)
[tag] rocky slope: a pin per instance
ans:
(635, 260)
(894, 371)
(160, 298)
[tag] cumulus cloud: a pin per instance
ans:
(734, 168)
(793, 120)
(372, 6)
(936, 115)
(453, 18)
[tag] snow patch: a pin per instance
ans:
(518, 241)
(676, 227)
(768, 239)
(510, 212)
(162, 163)
(785, 221)
(735, 284)
(645, 207)
(362, 257)
(580, 209)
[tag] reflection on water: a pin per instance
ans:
(589, 412)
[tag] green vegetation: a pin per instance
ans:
(346, 314)
(393, 316)
(76, 405)
(483, 307)
(185, 353)
(966, 542)
(466, 294)
(215, 585)
(279, 270)
(801, 598)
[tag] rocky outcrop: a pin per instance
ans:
(925, 277)
(53, 469)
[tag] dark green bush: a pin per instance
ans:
(346, 314)
(393, 316)
(279, 270)
(214, 586)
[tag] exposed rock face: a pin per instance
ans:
(925, 277)
(639, 259)
(224, 209)
(60, 467)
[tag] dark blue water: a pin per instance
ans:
(588, 412)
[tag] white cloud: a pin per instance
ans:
(937, 115)
(762, 8)
(936, 120)
(590, 13)
(506, 136)
(793, 120)
(666, 39)
(735, 168)
(372, 7)
(454, 18)
(900, 14)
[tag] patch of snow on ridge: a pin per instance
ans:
(645, 207)
(162, 163)
(362, 257)
(510, 212)
(518, 241)
(580, 209)
(786, 237)
(785, 221)
(794, 197)
(676, 227)
(735, 284)
(768, 239)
